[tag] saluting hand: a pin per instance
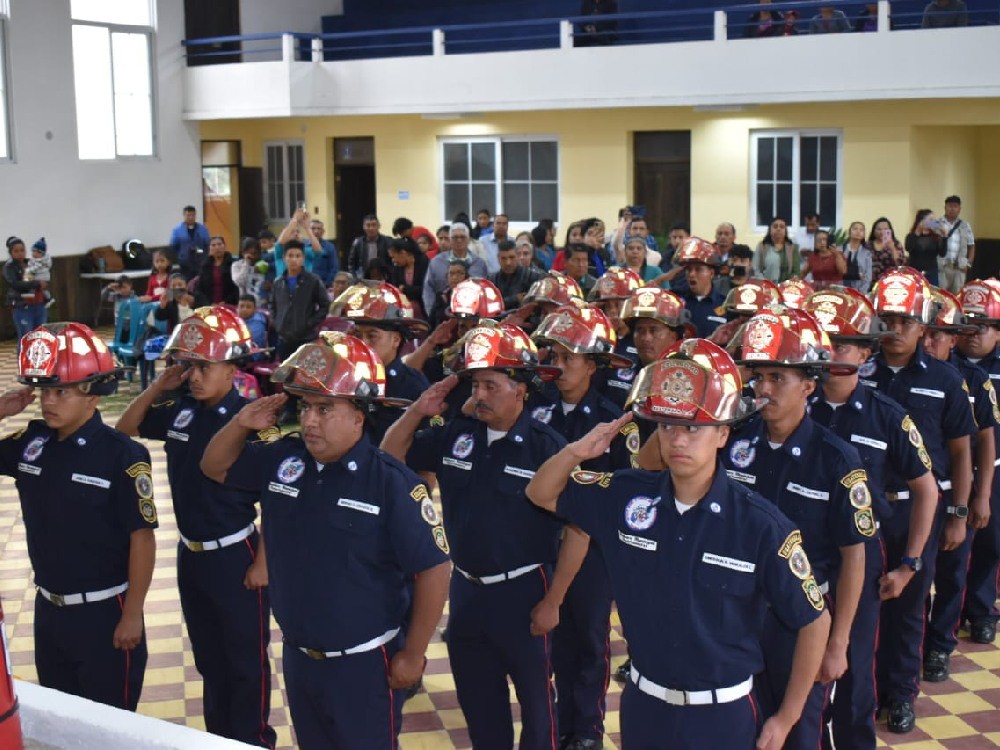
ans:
(262, 413)
(432, 401)
(405, 669)
(444, 333)
(520, 316)
(15, 401)
(598, 440)
(128, 632)
(171, 378)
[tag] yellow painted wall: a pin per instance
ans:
(897, 157)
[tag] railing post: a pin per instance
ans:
(565, 34)
(288, 48)
(721, 26)
(883, 16)
(437, 42)
(317, 50)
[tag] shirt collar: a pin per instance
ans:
(227, 407)
(795, 443)
(518, 433)
(85, 433)
(715, 502)
(356, 457)
(919, 359)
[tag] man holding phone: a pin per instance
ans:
(735, 259)
(961, 244)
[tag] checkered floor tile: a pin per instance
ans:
(959, 714)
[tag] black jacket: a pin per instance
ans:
(297, 315)
(517, 283)
(13, 274)
(397, 277)
(357, 257)
(230, 292)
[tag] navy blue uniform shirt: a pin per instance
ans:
(991, 366)
(982, 397)
(888, 441)
(617, 383)
(492, 526)
(341, 541)
(704, 314)
(401, 381)
(692, 588)
(815, 479)
(205, 510)
(81, 498)
(934, 395)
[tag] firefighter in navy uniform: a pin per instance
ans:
(505, 597)
(695, 559)
(890, 446)
(945, 612)
(935, 396)
(347, 527)
(383, 318)
(608, 295)
(580, 342)
(221, 566)
(981, 304)
(86, 496)
(701, 262)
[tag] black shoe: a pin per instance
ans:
(936, 666)
(983, 632)
(901, 717)
(582, 744)
(624, 673)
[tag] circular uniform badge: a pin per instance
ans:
(441, 539)
(633, 442)
(626, 374)
(463, 445)
(860, 496)
(291, 469)
(429, 512)
(183, 418)
(867, 369)
(798, 563)
(542, 413)
(640, 513)
(742, 453)
(33, 449)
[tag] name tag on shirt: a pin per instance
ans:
(514, 471)
(283, 489)
(92, 481)
(869, 383)
(620, 384)
(870, 442)
(739, 476)
(798, 489)
(994, 376)
(741, 566)
(715, 319)
(182, 436)
(932, 392)
(358, 505)
(639, 542)
(29, 468)
(454, 462)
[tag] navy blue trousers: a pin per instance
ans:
(74, 652)
(343, 703)
(581, 650)
(899, 658)
(229, 629)
(944, 608)
(647, 723)
(981, 582)
(489, 639)
(852, 710)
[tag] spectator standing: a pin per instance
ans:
(764, 23)
(805, 238)
(325, 261)
(961, 246)
(443, 236)
(28, 313)
(250, 272)
(725, 244)
(578, 266)
(297, 229)
(867, 19)
(436, 280)
(370, 251)
(483, 225)
(39, 268)
(188, 241)
(409, 268)
(945, 14)
(925, 244)
(859, 259)
(826, 264)
(298, 302)
(541, 238)
(594, 32)
(491, 241)
(635, 259)
(829, 20)
(513, 280)
(457, 272)
(777, 258)
(215, 280)
(887, 252)
(159, 280)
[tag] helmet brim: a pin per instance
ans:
(748, 407)
(546, 373)
(833, 368)
(299, 390)
(414, 325)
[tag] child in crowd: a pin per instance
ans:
(254, 319)
(117, 291)
(250, 272)
(159, 280)
(39, 269)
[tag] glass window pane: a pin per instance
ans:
(765, 203)
(484, 162)
(456, 199)
(786, 147)
(483, 196)
(544, 161)
(515, 161)
(123, 12)
(808, 158)
(94, 96)
(828, 158)
(516, 201)
(133, 97)
(544, 201)
(4, 139)
(807, 199)
(828, 205)
(456, 162)
(783, 201)
(296, 169)
(765, 158)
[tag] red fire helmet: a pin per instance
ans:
(476, 298)
(379, 304)
(506, 348)
(65, 354)
(794, 292)
(555, 288)
(697, 250)
(785, 337)
(658, 304)
(336, 365)
(845, 314)
(904, 292)
(981, 302)
(948, 314)
(752, 296)
(615, 283)
(694, 382)
(582, 331)
(210, 334)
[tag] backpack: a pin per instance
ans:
(91, 262)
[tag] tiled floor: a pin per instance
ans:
(960, 714)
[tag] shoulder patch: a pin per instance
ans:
(269, 435)
(813, 594)
(602, 479)
(632, 440)
(162, 404)
(16, 435)
(441, 539)
(419, 493)
(992, 393)
(437, 421)
(965, 386)
(925, 458)
(911, 429)
(141, 472)
(854, 477)
(864, 522)
(791, 542)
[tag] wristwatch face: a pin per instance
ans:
(959, 511)
(915, 563)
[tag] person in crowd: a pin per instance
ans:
(945, 14)
(86, 494)
(114, 293)
(525, 248)
(369, 253)
(805, 237)
(177, 303)
(408, 271)
(325, 261)
(189, 242)
(458, 271)
(28, 312)
(764, 23)
(443, 236)
(829, 20)
(858, 255)
(700, 261)
(483, 225)
(825, 266)
(341, 281)
(776, 257)
(298, 228)
(436, 281)
(39, 268)
(513, 279)
(634, 259)
(732, 256)
(215, 279)
(594, 32)
(159, 280)
(541, 239)
(298, 304)
(867, 19)
(491, 240)
(250, 271)
(578, 267)
(960, 243)
(925, 244)
(427, 245)
(256, 321)
(887, 252)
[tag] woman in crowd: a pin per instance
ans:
(887, 252)
(777, 258)
(826, 264)
(26, 298)
(924, 245)
(215, 279)
(635, 259)
(542, 238)
(859, 259)
(409, 266)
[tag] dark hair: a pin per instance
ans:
(182, 277)
(11, 241)
(266, 234)
(922, 214)
(953, 199)
(767, 237)
(369, 217)
(446, 228)
(826, 232)
(462, 218)
(505, 245)
(497, 216)
(482, 211)
(569, 230)
(249, 242)
(812, 215)
(538, 236)
(680, 226)
(460, 263)
(218, 237)
(741, 251)
(880, 219)
(295, 245)
(190, 208)
(248, 298)
(123, 279)
(400, 225)
(406, 245)
(547, 224)
(640, 218)
(577, 247)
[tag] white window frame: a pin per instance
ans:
(498, 181)
(149, 33)
(796, 134)
(7, 142)
(289, 197)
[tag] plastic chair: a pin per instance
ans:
(132, 312)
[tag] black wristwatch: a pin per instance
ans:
(959, 511)
(914, 563)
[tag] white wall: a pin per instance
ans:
(46, 190)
